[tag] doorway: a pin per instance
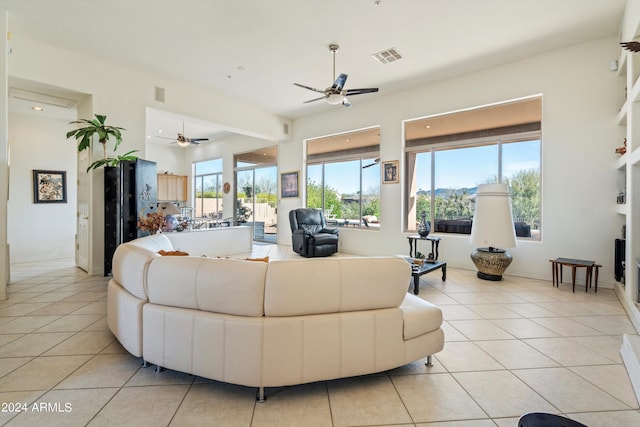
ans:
(256, 175)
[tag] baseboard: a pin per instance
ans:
(630, 352)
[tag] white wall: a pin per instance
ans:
(38, 231)
(580, 100)
(124, 95)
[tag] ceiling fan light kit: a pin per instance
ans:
(336, 94)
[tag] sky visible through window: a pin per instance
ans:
(453, 169)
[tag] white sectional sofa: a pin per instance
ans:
(270, 324)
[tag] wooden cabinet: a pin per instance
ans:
(172, 188)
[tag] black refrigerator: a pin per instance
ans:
(130, 190)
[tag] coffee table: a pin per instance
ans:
(427, 267)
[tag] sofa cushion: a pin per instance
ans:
(329, 285)
(130, 262)
(221, 285)
(420, 316)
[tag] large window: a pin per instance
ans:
(207, 186)
(343, 178)
(448, 156)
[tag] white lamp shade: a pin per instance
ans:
(334, 99)
(169, 208)
(493, 221)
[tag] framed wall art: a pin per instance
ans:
(49, 186)
(390, 172)
(289, 184)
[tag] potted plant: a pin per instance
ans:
(98, 127)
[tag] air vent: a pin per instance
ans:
(40, 98)
(159, 94)
(386, 56)
(285, 128)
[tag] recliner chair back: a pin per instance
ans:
(310, 237)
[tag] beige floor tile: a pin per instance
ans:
(99, 325)
(7, 338)
(493, 311)
(149, 376)
(70, 323)
(469, 298)
(26, 324)
(368, 400)
(108, 370)
(567, 352)
(22, 309)
(604, 345)
(41, 373)
(59, 308)
(610, 325)
(566, 308)
(8, 364)
(466, 423)
(466, 356)
(506, 422)
(419, 367)
(611, 378)
(458, 312)
(514, 354)
(98, 307)
(51, 297)
(65, 408)
(436, 397)
(219, 404)
(567, 391)
(452, 334)
(524, 328)
(530, 310)
(17, 402)
(86, 296)
(608, 418)
(32, 344)
(303, 405)
(566, 327)
(160, 403)
(480, 330)
(83, 343)
(515, 397)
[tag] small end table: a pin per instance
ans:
(413, 245)
(556, 271)
(425, 268)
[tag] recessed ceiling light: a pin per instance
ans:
(37, 108)
(427, 126)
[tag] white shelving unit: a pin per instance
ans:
(628, 168)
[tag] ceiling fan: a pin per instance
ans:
(375, 162)
(336, 93)
(183, 141)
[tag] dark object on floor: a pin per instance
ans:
(539, 419)
(310, 235)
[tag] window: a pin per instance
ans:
(448, 155)
(207, 187)
(343, 178)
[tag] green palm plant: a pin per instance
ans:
(98, 127)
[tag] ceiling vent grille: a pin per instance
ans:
(388, 55)
(41, 98)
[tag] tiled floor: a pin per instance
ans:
(512, 347)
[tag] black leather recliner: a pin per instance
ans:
(310, 236)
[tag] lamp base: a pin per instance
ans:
(491, 262)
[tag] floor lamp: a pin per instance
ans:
(492, 228)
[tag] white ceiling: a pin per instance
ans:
(254, 50)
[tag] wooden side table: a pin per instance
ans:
(413, 245)
(556, 271)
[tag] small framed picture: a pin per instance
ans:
(289, 184)
(390, 172)
(49, 186)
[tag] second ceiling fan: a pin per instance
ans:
(336, 93)
(184, 141)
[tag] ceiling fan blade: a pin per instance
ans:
(361, 91)
(164, 137)
(340, 82)
(315, 99)
(309, 87)
(198, 139)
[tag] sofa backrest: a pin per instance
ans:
(329, 285)
(131, 260)
(220, 285)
